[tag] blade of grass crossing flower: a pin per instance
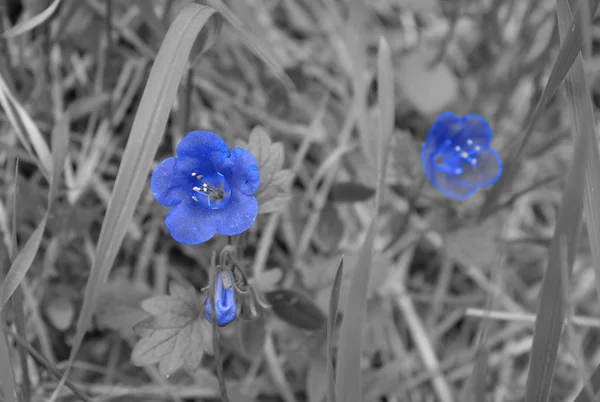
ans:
(30, 24)
(145, 136)
(569, 49)
(348, 385)
(582, 116)
(23, 260)
(550, 316)
(331, 322)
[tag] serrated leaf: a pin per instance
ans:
(273, 191)
(278, 193)
(177, 335)
(296, 309)
(119, 306)
(350, 192)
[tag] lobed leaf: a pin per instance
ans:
(273, 192)
(177, 334)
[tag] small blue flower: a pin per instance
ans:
(458, 157)
(210, 188)
(224, 300)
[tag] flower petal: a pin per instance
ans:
(168, 183)
(191, 223)
(198, 151)
(489, 166)
(240, 170)
(459, 187)
(237, 216)
(439, 132)
(475, 128)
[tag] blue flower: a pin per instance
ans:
(210, 188)
(458, 157)
(224, 300)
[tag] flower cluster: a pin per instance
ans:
(458, 157)
(210, 188)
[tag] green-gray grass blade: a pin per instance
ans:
(144, 139)
(550, 316)
(8, 385)
(331, 323)
(568, 51)
(348, 385)
(23, 260)
(30, 24)
(582, 115)
(253, 42)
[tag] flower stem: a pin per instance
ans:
(215, 333)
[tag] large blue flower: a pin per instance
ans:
(210, 188)
(458, 157)
(225, 303)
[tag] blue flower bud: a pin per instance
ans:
(225, 302)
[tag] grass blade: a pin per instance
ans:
(144, 139)
(22, 262)
(331, 322)
(7, 376)
(253, 42)
(569, 49)
(550, 317)
(348, 378)
(30, 24)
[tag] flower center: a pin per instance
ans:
(212, 191)
(451, 158)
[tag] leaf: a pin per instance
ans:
(330, 228)
(350, 192)
(428, 89)
(177, 334)
(278, 193)
(60, 312)
(348, 385)
(550, 316)
(252, 336)
(316, 379)
(273, 191)
(119, 306)
(331, 324)
(296, 309)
